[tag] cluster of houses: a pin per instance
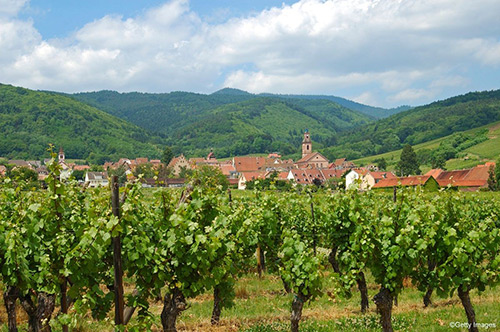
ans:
(312, 168)
(40, 167)
(472, 179)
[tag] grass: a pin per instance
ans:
(486, 151)
(262, 305)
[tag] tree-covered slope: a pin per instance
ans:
(264, 125)
(30, 120)
(230, 120)
(375, 112)
(161, 113)
(419, 125)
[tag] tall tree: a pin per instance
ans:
(381, 163)
(493, 184)
(167, 155)
(408, 163)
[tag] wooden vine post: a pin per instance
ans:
(117, 255)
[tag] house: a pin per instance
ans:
(342, 163)
(426, 181)
(249, 164)
(34, 163)
(156, 163)
(313, 160)
(355, 179)
(249, 176)
(177, 164)
(96, 179)
(333, 173)
(42, 172)
(309, 158)
(3, 170)
(140, 161)
(365, 179)
(81, 168)
(306, 175)
(20, 163)
(472, 179)
(228, 170)
(373, 177)
(274, 155)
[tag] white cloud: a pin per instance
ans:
(11, 7)
(366, 98)
(400, 51)
(412, 95)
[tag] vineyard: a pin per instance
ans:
(67, 251)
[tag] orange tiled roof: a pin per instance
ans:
(249, 164)
(226, 169)
(333, 173)
(434, 172)
(249, 176)
(306, 176)
(309, 156)
(406, 181)
(81, 167)
(383, 175)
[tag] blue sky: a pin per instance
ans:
(382, 53)
(57, 19)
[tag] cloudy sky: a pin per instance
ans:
(379, 52)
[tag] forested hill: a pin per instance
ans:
(30, 120)
(265, 125)
(162, 112)
(419, 125)
(231, 121)
(375, 112)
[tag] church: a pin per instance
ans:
(309, 158)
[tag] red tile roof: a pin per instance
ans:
(382, 175)
(333, 173)
(306, 176)
(309, 157)
(406, 181)
(474, 177)
(283, 176)
(249, 176)
(81, 167)
(249, 164)
(227, 169)
(434, 172)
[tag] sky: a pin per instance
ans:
(377, 52)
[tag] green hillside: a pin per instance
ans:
(486, 149)
(419, 125)
(161, 113)
(375, 112)
(30, 120)
(265, 125)
(232, 121)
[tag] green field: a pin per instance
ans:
(478, 154)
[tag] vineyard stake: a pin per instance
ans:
(117, 255)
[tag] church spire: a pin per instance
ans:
(306, 144)
(61, 155)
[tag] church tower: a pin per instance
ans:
(61, 155)
(306, 144)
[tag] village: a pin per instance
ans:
(312, 169)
